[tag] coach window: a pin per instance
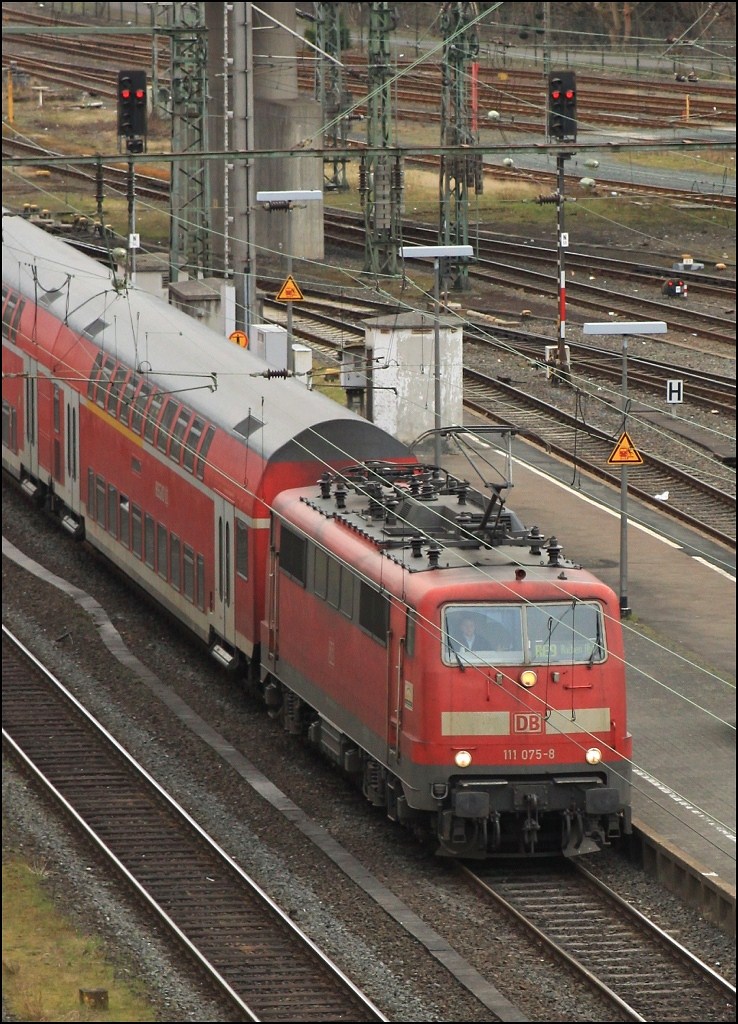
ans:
(175, 571)
(180, 427)
(31, 410)
(72, 442)
(10, 427)
(139, 407)
(242, 549)
(149, 541)
(152, 416)
(188, 573)
(167, 418)
(12, 313)
(114, 391)
(104, 381)
(201, 583)
(57, 409)
(227, 563)
(190, 446)
(113, 510)
(92, 382)
(136, 531)
(100, 500)
(125, 519)
(203, 454)
(127, 400)
(162, 560)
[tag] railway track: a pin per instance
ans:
(348, 231)
(516, 93)
(708, 508)
(643, 973)
(262, 966)
(598, 366)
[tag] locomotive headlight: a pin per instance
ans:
(462, 758)
(528, 678)
(593, 755)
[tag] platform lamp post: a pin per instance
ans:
(625, 330)
(436, 253)
(287, 201)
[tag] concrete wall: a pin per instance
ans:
(401, 353)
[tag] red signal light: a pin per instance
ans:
(140, 94)
(570, 94)
(556, 95)
(125, 94)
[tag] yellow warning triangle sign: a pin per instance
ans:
(290, 291)
(625, 453)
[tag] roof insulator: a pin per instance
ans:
(535, 538)
(554, 550)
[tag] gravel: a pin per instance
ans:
(367, 944)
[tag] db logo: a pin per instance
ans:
(527, 723)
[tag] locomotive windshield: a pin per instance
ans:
(534, 634)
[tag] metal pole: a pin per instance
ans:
(564, 369)
(289, 304)
(437, 360)
(624, 607)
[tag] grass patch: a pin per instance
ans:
(46, 961)
(720, 160)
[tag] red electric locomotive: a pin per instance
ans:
(468, 676)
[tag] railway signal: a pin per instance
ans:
(132, 109)
(562, 105)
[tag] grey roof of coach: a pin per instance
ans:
(177, 353)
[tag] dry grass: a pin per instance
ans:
(46, 960)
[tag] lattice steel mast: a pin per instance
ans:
(330, 92)
(189, 231)
(380, 175)
(458, 173)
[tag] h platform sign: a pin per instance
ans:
(675, 392)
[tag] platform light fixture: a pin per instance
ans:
(287, 200)
(625, 330)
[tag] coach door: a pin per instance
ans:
(223, 601)
(66, 446)
(30, 456)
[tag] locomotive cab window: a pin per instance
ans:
(556, 633)
(292, 554)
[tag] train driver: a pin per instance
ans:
(470, 636)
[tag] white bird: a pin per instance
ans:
(664, 496)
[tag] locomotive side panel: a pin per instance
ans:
(329, 637)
